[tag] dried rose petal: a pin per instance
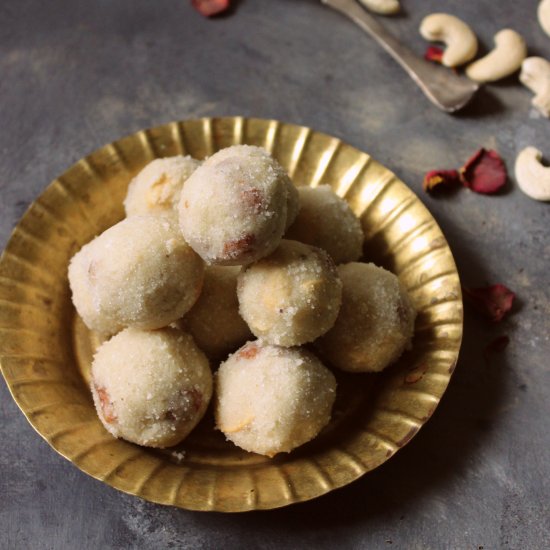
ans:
(416, 374)
(433, 53)
(484, 172)
(495, 346)
(208, 8)
(493, 301)
(437, 179)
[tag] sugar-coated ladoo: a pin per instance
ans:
(151, 387)
(271, 399)
(214, 320)
(375, 324)
(292, 202)
(327, 221)
(292, 296)
(236, 206)
(157, 188)
(139, 273)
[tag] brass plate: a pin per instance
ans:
(45, 350)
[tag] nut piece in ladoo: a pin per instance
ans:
(157, 188)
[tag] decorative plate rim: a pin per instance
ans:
(26, 288)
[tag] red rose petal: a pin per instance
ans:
(208, 8)
(498, 344)
(416, 374)
(484, 172)
(436, 179)
(493, 301)
(495, 346)
(433, 53)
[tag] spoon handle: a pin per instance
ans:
(443, 88)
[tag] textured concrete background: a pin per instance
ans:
(76, 74)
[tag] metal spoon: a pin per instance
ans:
(446, 90)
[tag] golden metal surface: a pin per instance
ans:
(45, 350)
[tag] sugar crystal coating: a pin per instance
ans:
(375, 324)
(327, 221)
(157, 188)
(271, 399)
(214, 320)
(139, 272)
(235, 208)
(292, 296)
(151, 387)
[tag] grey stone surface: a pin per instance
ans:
(76, 74)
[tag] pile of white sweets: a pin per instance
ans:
(198, 268)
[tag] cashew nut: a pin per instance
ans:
(533, 178)
(535, 74)
(459, 39)
(506, 57)
(543, 13)
(383, 7)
